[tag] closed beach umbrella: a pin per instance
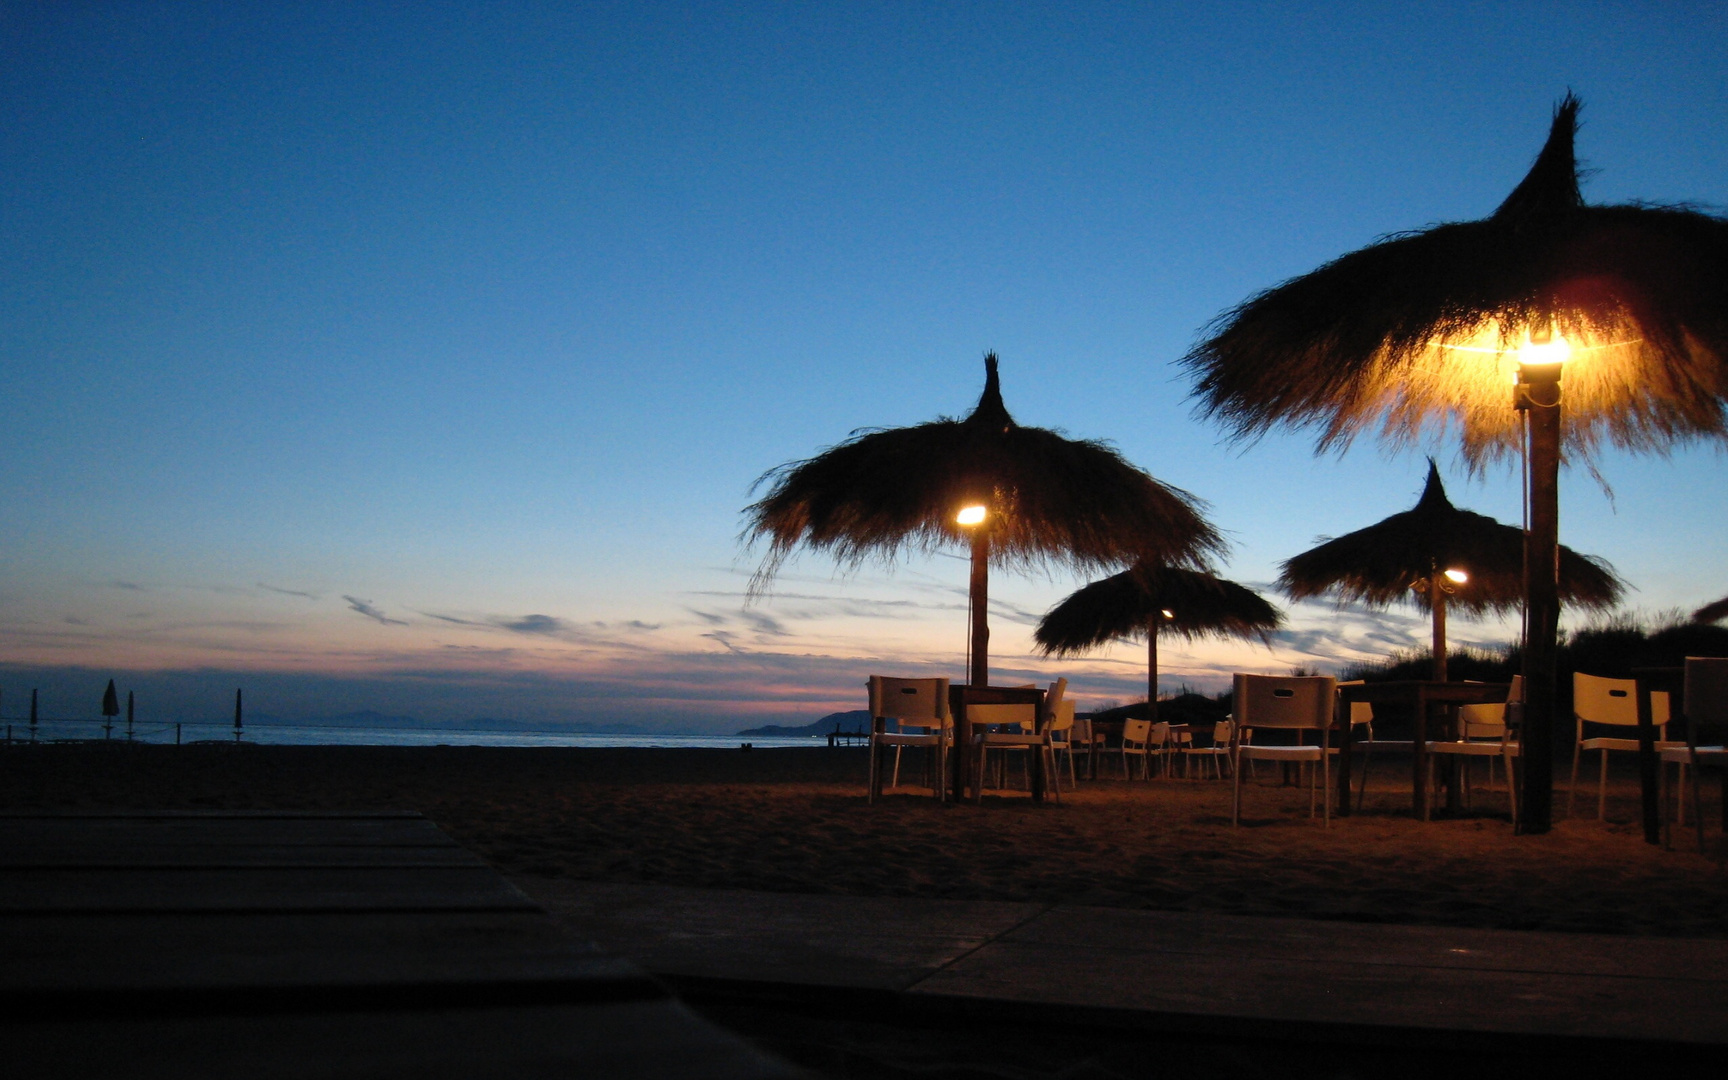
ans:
(1035, 498)
(1438, 556)
(1622, 311)
(110, 708)
(1150, 600)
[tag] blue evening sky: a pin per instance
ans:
(421, 357)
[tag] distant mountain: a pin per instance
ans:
(856, 720)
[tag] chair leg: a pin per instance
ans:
(1698, 806)
(894, 781)
(1362, 788)
(1235, 792)
(1602, 789)
(1325, 771)
(1512, 788)
(1572, 792)
(870, 789)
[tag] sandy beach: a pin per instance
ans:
(796, 820)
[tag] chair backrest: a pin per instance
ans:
(1222, 732)
(1361, 712)
(1081, 733)
(913, 702)
(1599, 700)
(1136, 732)
(1054, 699)
(1284, 701)
(1706, 695)
(1489, 721)
(1159, 735)
(1062, 720)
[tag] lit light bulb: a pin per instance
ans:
(1545, 348)
(971, 515)
(1168, 614)
(1457, 577)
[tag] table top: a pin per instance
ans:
(1468, 693)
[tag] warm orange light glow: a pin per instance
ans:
(971, 515)
(1168, 614)
(1536, 351)
(1457, 577)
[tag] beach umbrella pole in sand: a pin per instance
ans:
(1539, 400)
(976, 518)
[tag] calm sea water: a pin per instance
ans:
(315, 735)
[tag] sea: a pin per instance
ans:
(51, 731)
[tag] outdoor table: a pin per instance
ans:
(1419, 694)
(1654, 679)
(961, 695)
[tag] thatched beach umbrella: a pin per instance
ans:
(1154, 600)
(1424, 332)
(1439, 556)
(1046, 499)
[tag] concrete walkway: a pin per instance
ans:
(1214, 975)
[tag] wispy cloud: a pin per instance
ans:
(364, 607)
(543, 625)
(129, 586)
(290, 592)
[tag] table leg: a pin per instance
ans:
(1454, 793)
(1419, 759)
(962, 754)
(1346, 743)
(1648, 768)
(1037, 753)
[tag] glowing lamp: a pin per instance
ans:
(1168, 614)
(1457, 577)
(971, 515)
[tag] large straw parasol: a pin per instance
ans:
(1046, 499)
(1423, 333)
(1150, 600)
(1439, 556)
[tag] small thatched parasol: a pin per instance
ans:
(1049, 500)
(1151, 600)
(1407, 557)
(1423, 332)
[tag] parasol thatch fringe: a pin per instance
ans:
(1715, 611)
(1118, 607)
(1415, 336)
(1053, 500)
(1392, 560)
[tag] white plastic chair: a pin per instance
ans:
(919, 704)
(1485, 731)
(1062, 728)
(1033, 735)
(1136, 742)
(1706, 700)
(1298, 703)
(1611, 703)
(1218, 754)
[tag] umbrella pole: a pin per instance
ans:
(1437, 602)
(979, 593)
(1542, 607)
(1152, 668)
